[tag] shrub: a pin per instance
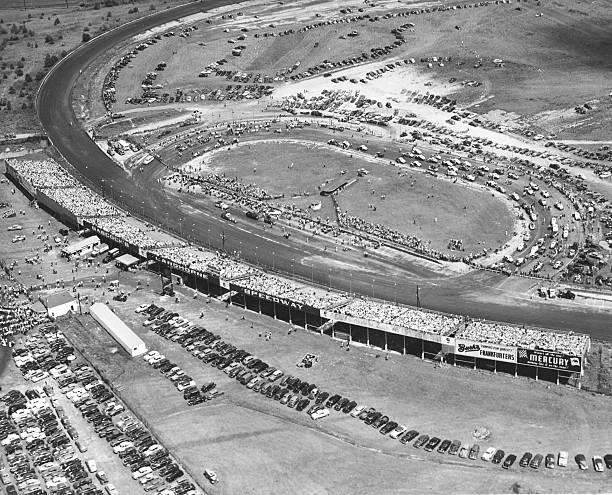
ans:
(86, 37)
(28, 78)
(57, 21)
(49, 39)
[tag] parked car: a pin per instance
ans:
(432, 444)
(581, 461)
(509, 461)
(474, 451)
(488, 454)
(608, 460)
(549, 461)
(525, 459)
(444, 446)
(536, 461)
(409, 436)
(454, 447)
(562, 458)
(598, 464)
(499, 455)
(422, 440)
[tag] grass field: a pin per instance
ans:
(415, 203)
(259, 446)
(431, 209)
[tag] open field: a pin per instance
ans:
(550, 62)
(267, 440)
(32, 40)
(433, 209)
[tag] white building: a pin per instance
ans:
(123, 334)
(59, 304)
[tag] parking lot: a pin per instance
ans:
(273, 436)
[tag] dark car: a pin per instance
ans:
(444, 446)
(581, 461)
(432, 444)
(608, 460)
(363, 415)
(301, 405)
(422, 440)
(374, 416)
(509, 461)
(409, 436)
(454, 447)
(549, 461)
(526, 459)
(499, 455)
(322, 397)
(388, 428)
(332, 401)
(536, 461)
(340, 404)
(380, 422)
(474, 451)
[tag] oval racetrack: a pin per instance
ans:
(474, 294)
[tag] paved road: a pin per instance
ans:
(475, 294)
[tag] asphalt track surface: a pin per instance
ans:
(474, 294)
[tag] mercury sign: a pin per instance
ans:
(548, 359)
(485, 351)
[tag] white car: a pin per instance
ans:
(562, 458)
(139, 473)
(91, 465)
(357, 411)
(122, 447)
(110, 489)
(142, 308)
(211, 476)
(489, 453)
(465, 450)
(320, 413)
(276, 375)
(399, 431)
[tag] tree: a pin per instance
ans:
(19, 72)
(39, 75)
(57, 21)
(86, 37)
(28, 78)
(49, 39)
(11, 90)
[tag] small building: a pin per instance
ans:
(126, 261)
(59, 303)
(117, 329)
(81, 248)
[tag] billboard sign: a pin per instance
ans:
(485, 350)
(549, 359)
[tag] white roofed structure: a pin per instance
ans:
(114, 325)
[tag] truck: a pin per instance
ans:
(111, 255)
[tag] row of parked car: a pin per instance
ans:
(39, 452)
(259, 376)
(128, 438)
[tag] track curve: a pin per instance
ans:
(475, 294)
